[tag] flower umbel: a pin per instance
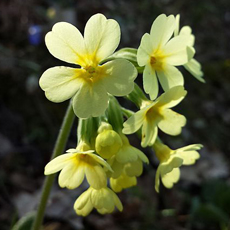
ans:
(89, 85)
(103, 152)
(158, 114)
(170, 161)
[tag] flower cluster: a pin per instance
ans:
(104, 155)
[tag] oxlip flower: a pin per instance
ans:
(77, 164)
(159, 55)
(193, 66)
(122, 182)
(89, 85)
(128, 153)
(128, 160)
(170, 161)
(158, 114)
(104, 200)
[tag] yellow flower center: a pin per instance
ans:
(154, 114)
(84, 160)
(90, 69)
(93, 73)
(157, 60)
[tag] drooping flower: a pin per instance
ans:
(170, 161)
(75, 165)
(158, 114)
(128, 160)
(104, 200)
(122, 182)
(89, 85)
(193, 66)
(160, 54)
(128, 153)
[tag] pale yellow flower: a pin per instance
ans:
(104, 200)
(170, 161)
(89, 85)
(122, 182)
(108, 142)
(158, 114)
(75, 165)
(193, 66)
(160, 54)
(128, 153)
(128, 160)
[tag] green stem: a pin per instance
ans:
(58, 149)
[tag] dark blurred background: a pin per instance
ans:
(29, 123)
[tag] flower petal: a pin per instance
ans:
(90, 100)
(117, 202)
(83, 205)
(186, 30)
(122, 182)
(194, 67)
(100, 161)
(95, 176)
(162, 29)
(171, 178)
(189, 157)
(116, 166)
(149, 133)
(176, 50)
(177, 28)
(82, 199)
(170, 77)
(57, 163)
(66, 43)
(172, 97)
(172, 122)
(85, 210)
(65, 178)
(119, 77)
(102, 198)
(60, 83)
(157, 178)
(145, 50)
(102, 36)
(134, 168)
(78, 177)
(190, 148)
(173, 162)
(134, 122)
(150, 82)
(126, 154)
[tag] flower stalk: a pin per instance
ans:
(58, 149)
